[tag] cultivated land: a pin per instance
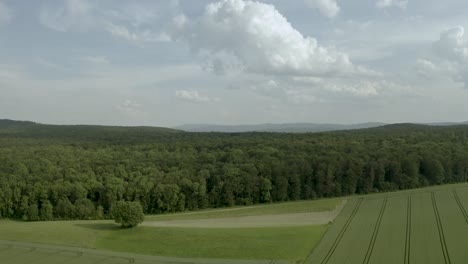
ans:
(427, 225)
(420, 226)
(195, 245)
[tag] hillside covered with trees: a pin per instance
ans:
(78, 172)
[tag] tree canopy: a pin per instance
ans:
(128, 214)
(81, 172)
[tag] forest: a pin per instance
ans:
(51, 172)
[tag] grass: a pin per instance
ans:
(292, 243)
(415, 226)
(71, 233)
(268, 209)
(24, 255)
(365, 232)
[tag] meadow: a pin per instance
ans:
(427, 225)
(291, 243)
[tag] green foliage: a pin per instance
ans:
(100, 213)
(128, 214)
(33, 213)
(85, 209)
(65, 209)
(46, 212)
(291, 243)
(83, 170)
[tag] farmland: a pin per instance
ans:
(420, 226)
(229, 243)
(415, 226)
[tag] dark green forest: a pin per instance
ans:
(78, 172)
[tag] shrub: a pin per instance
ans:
(128, 214)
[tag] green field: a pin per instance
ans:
(289, 243)
(271, 209)
(25, 253)
(427, 225)
(421, 226)
(263, 243)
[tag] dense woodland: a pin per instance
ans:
(78, 172)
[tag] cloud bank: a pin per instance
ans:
(451, 45)
(254, 37)
(452, 56)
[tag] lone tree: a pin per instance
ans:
(129, 214)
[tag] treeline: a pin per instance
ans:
(70, 176)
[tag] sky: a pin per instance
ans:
(167, 63)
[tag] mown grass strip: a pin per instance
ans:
(340, 235)
(408, 232)
(370, 248)
(462, 208)
(441, 230)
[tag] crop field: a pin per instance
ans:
(427, 225)
(421, 226)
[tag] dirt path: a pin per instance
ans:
(298, 219)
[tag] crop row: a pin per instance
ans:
(370, 248)
(462, 208)
(343, 230)
(441, 230)
(408, 232)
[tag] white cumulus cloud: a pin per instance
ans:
(329, 8)
(5, 14)
(451, 45)
(389, 3)
(193, 96)
(452, 55)
(425, 65)
(136, 36)
(256, 38)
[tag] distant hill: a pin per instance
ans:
(80, 132)
(281, 128)
(447, 123)
(7, 123)
(32, 129)
(297, 127)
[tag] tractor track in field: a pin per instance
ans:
(441, 230)
(370, 248)
(116, 257)
(462, 208)
(408, 232)
(343, 230)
